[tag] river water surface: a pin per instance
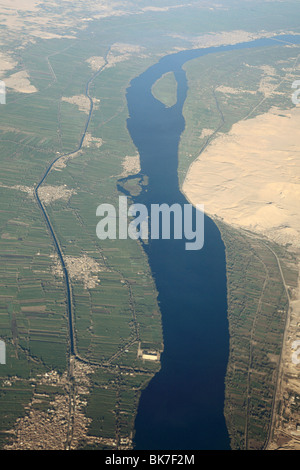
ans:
(183, 405)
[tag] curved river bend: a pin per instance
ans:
(182, 407)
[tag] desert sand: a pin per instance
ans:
(250, 177)
(6, 63)
(131, 165)
(82, 101)
(223, 37)
(96, 62)
(119, 52)
(20, 82)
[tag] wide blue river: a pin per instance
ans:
(183, 405)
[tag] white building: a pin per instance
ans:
(2, 352)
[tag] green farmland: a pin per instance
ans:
(53, 399)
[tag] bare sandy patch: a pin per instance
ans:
(251, 177)
(90, 141)
(61, 163)
(269, 80)
(233, 91)
(81, 101)
(20, 5)
(131, 165)
(206, 133)
(19, 187)
(120, 52)
(96, 62)
(30, 16)
(167, 8)
(7, 236)
(6, 63)
(221, 38)
(48, 35)
(20, 82)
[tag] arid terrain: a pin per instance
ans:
(250, 176)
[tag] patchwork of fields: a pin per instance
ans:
(50, 399)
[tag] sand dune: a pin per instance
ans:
(251, 177)
(20, 82)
